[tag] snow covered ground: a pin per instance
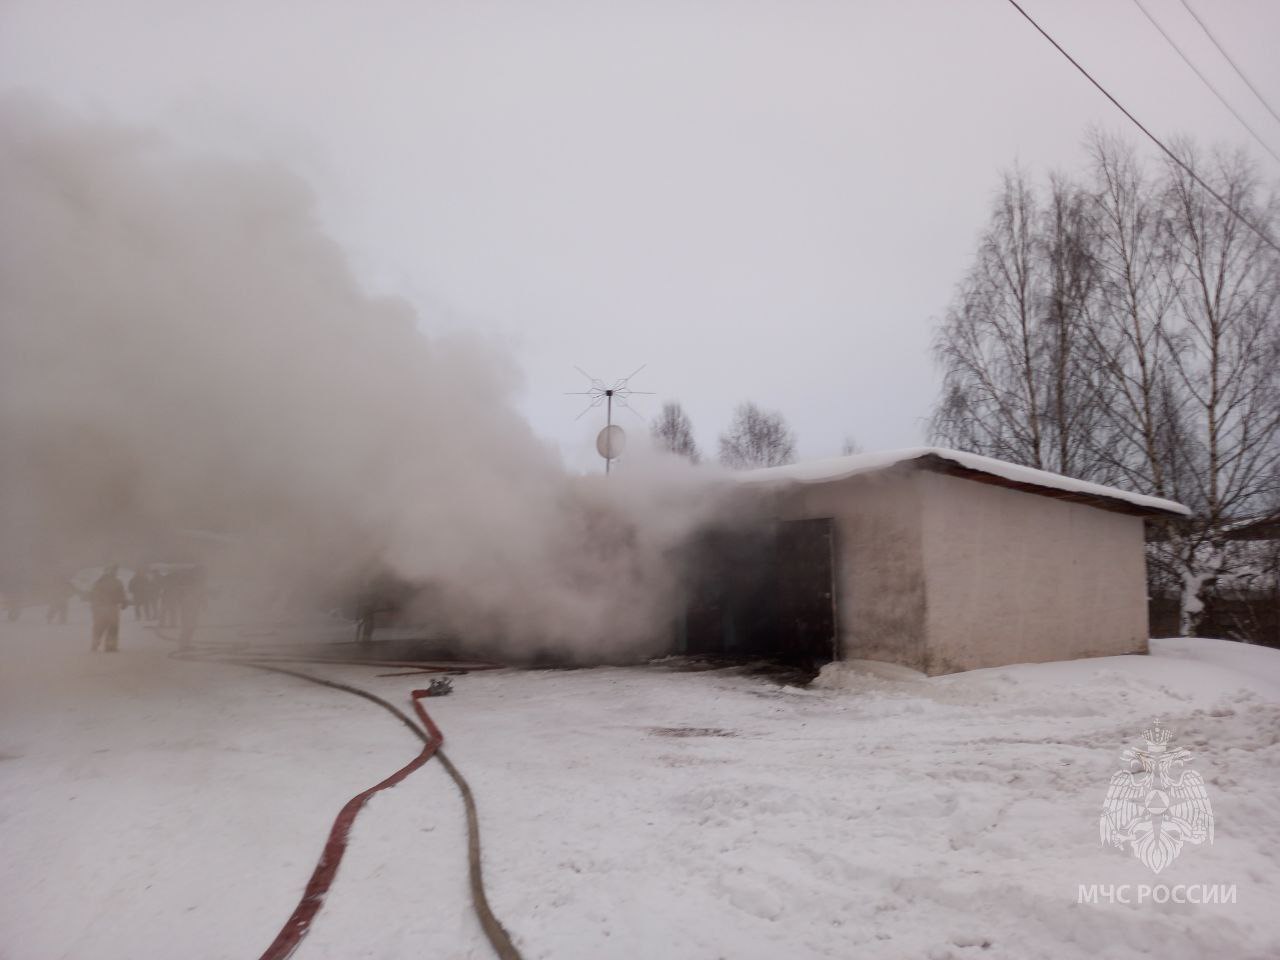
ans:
(151, 807)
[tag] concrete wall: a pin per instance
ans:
(1013, 577)
(880, 588)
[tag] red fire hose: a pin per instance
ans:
(296, 927)
(299, 922)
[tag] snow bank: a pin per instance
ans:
(1259, 665)
(150, 807)
(839, 468)
(866, 674)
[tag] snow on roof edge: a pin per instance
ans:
(840, 468)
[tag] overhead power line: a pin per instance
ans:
(1234, 66)
(1151, 136)
(1205, 80)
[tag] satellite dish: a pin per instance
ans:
(611, 442)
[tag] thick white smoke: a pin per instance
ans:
(181, 346)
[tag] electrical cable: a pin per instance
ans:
(1205, 80)
(1262, 235)
(1226, 56)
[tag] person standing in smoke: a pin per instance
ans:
(106, 599)
(366, 612)
(150, 606)
(376, 595)
(138, 590)
(60, 592)
(168, 589)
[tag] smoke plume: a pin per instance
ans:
(181, 346)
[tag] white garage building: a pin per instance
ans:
(935, 559)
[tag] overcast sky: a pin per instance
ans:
(757, 200)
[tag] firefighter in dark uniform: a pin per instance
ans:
(107, 598)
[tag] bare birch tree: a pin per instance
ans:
(1225, 351)
(989, 403)
(1015, 382)
(756, 438)
(1071, 411)
(1126, 329)
(673, 432)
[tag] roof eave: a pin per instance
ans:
(938, 464)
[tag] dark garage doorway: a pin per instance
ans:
(767, 591)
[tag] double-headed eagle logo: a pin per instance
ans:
(1150, 810)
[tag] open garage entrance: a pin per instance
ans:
(766, 591)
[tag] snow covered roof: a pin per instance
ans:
(968, 465)
(1265, 527)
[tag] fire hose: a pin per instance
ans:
(299, 922)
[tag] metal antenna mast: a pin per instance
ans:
(611, 439)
